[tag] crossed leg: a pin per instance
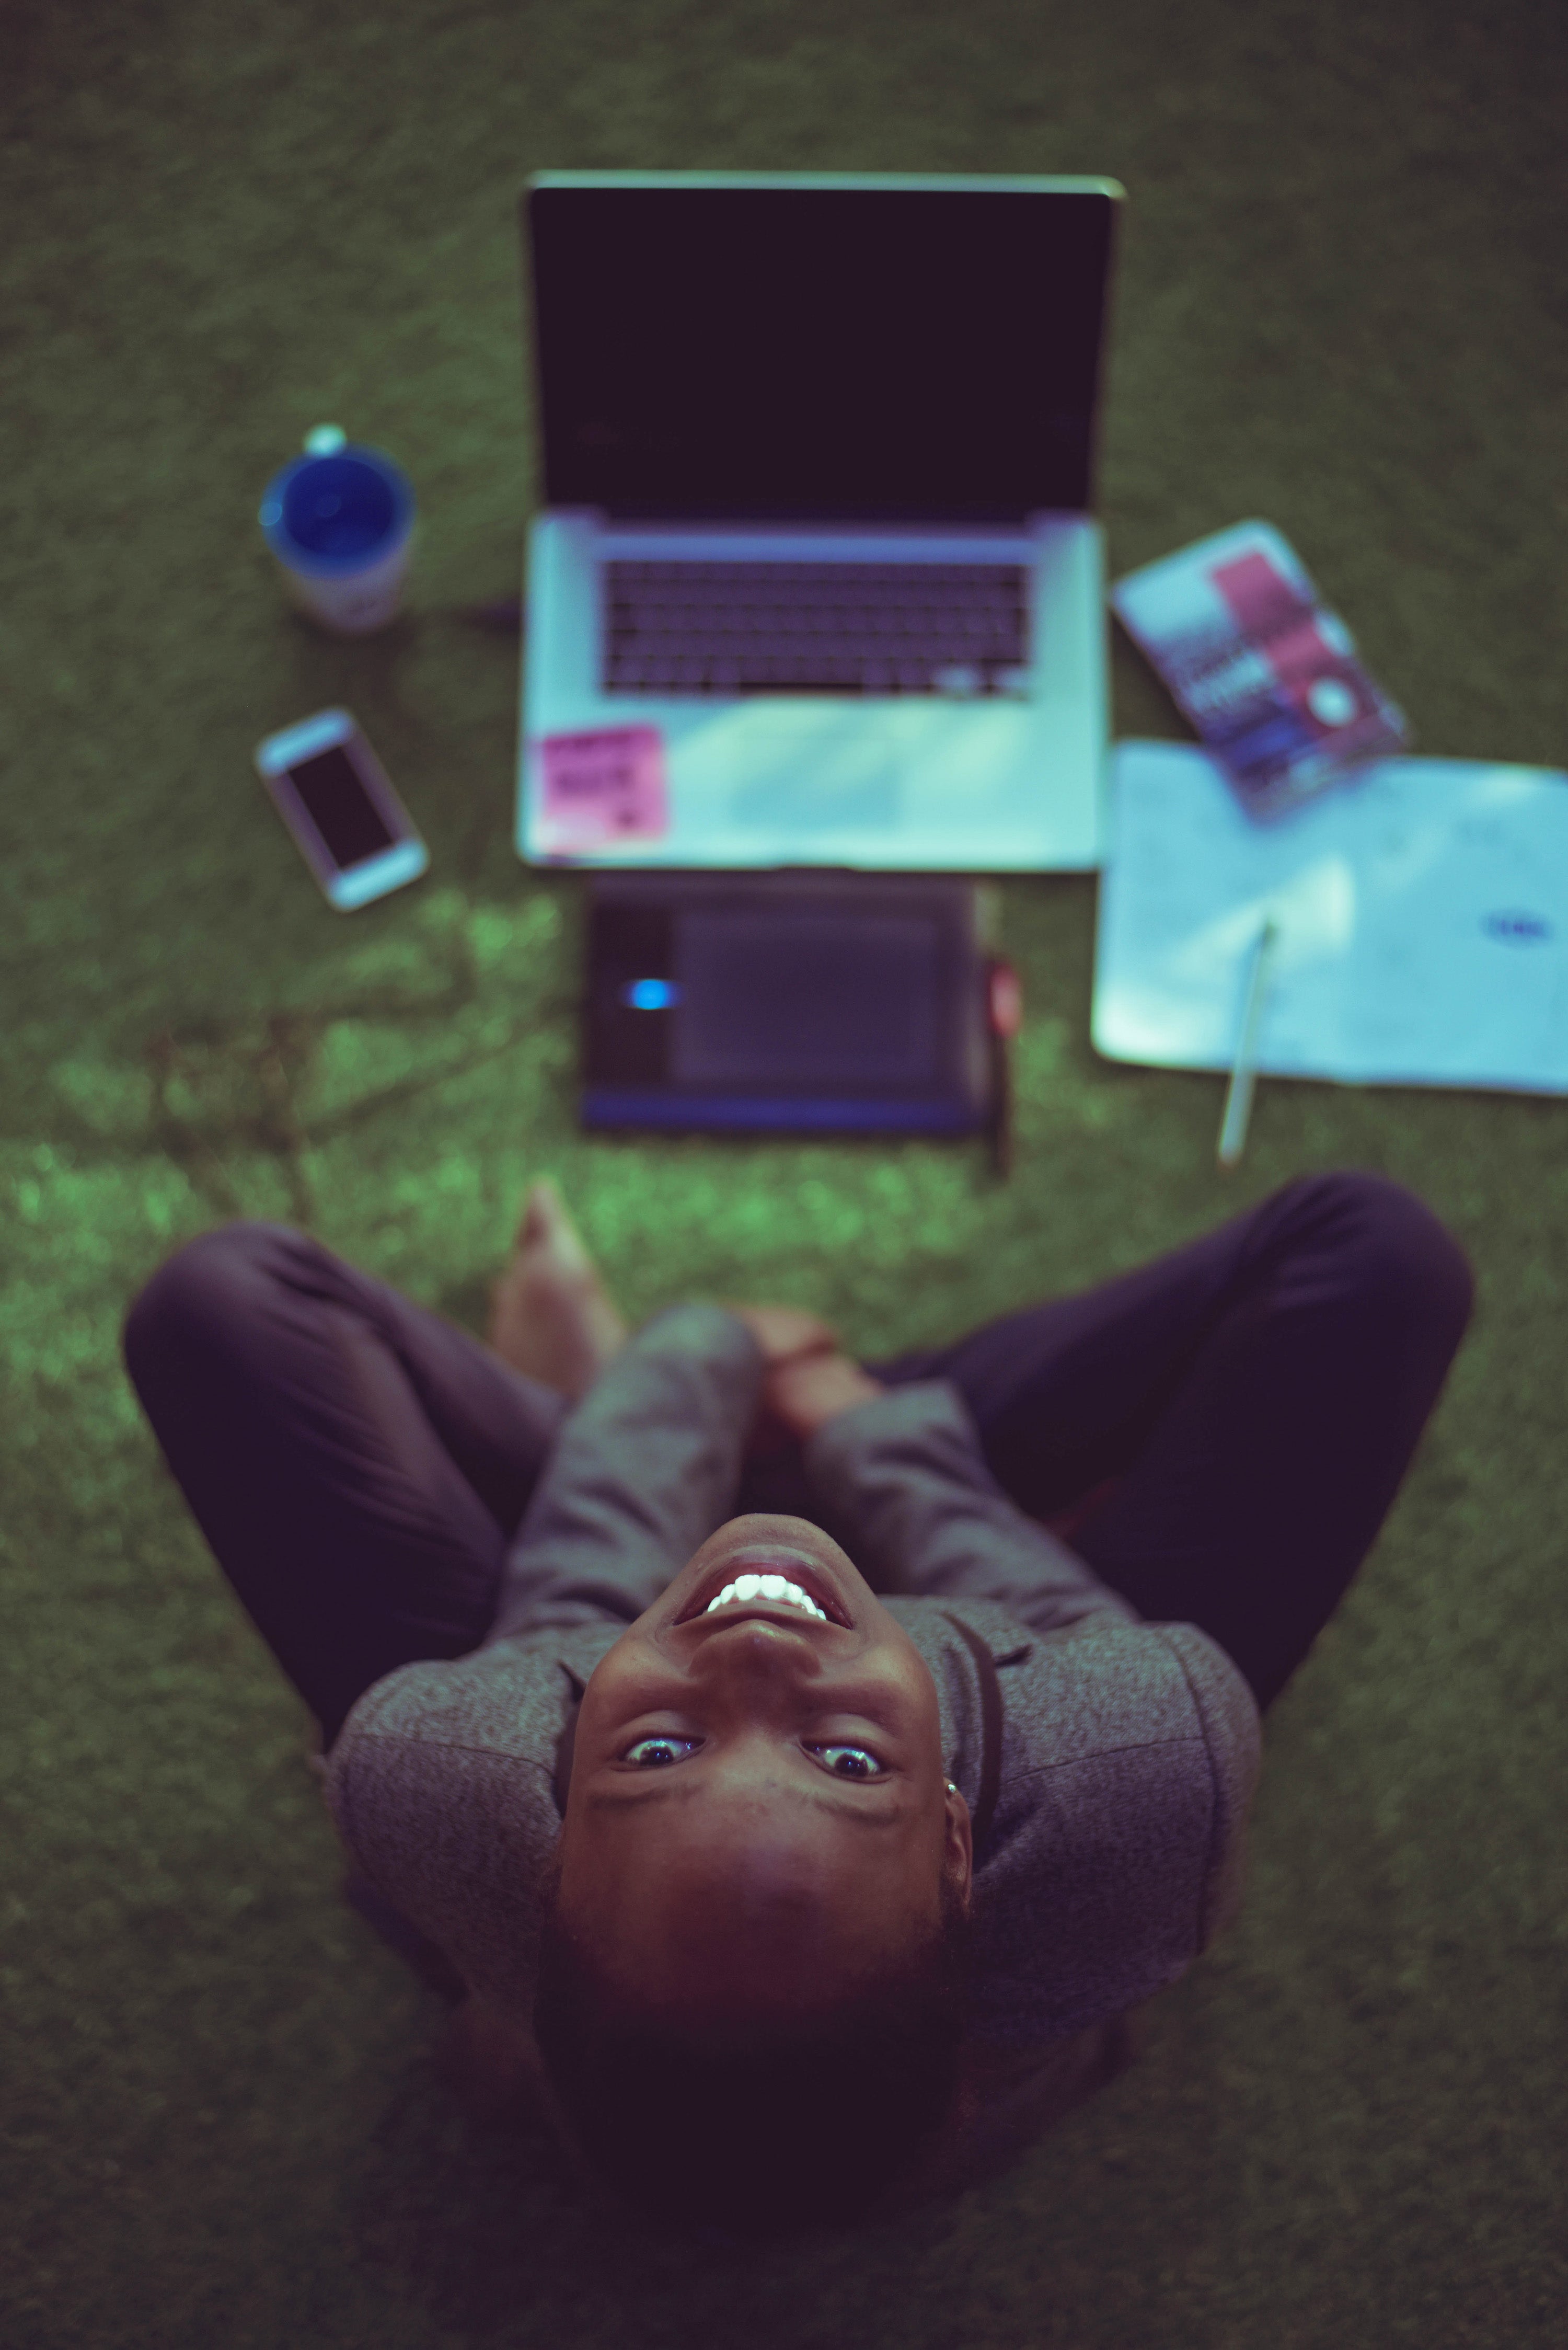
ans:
(1223, 1429)
(1221, 1432)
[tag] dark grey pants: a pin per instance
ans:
(1220, 1434)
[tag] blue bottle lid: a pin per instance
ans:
(337, 511)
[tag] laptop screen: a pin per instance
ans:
(818, 350)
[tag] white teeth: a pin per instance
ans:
(767, 1587)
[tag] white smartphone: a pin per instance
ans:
(348, 824)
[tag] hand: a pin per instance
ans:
(786, 1332)
(808, 1380)
(809, 1389)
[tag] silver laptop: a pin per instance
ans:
(816, 579)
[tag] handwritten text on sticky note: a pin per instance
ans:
(604, 785)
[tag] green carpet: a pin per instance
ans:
(1342, 307)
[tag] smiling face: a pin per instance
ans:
(758, 1819)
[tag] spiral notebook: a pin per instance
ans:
(1422, 918)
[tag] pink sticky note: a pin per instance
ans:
(604, 785)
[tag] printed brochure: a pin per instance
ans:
(1265, 673)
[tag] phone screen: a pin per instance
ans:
(340, 806)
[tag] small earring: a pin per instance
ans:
(952, 1786)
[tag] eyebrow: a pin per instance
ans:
(606, 1798)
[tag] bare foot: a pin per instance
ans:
(550, 1313)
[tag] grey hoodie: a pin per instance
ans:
(1109, 1765)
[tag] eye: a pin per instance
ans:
(848, 1761)
(653, 1753)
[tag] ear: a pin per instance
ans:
(958, 1848)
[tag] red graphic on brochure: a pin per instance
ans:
(603, 785)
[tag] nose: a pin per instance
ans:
(755, 1656)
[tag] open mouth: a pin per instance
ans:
(758, 1580)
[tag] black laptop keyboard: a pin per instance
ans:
(816, 628)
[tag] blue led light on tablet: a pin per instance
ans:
(650, 994)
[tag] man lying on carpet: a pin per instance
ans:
(793, 1811)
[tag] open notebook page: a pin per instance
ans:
(1422, 915)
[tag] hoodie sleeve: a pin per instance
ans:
(643, 1470)
(904, 1474)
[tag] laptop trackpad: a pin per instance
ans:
(822, 777)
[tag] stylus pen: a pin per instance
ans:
(1001, 1110)
(1244, 1075)
(1004, 1017)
